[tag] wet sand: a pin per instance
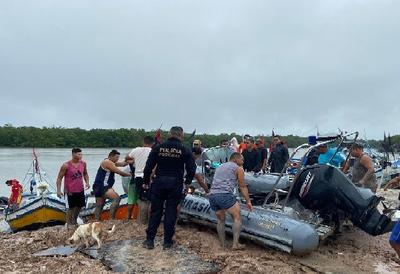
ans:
(352, 252)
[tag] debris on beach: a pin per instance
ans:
(352, 252)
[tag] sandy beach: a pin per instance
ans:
(352, 252)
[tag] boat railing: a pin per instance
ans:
(341, 138)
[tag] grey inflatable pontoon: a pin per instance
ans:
(295, 215)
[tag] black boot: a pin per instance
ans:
(168, 245)
(148, 244)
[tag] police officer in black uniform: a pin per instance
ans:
(171, 159)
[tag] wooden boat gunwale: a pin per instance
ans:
(47, 205)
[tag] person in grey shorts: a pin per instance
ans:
(222, 198)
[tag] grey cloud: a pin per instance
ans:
(218, 66)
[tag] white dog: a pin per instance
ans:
(86, 231)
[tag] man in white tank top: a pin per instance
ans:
(139, 156)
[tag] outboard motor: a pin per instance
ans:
(320, 187)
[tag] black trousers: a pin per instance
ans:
(164, 191)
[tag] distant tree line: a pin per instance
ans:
(52, 137)
(59, 137)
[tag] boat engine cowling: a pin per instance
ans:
(320, 187)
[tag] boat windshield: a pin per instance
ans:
(217, 155)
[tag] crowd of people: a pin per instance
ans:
(255, 154)
(156, 177)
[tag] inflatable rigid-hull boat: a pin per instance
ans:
(280, 229)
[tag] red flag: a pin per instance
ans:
(157, 137)
(270, 144)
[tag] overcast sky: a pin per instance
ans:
(217, 66)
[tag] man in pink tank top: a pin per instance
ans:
(73, 172)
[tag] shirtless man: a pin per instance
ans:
(222, 198)
(363, 173)
(105, 179)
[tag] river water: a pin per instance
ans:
(15, 163)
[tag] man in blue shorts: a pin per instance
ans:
(222, 198)
(395, 237)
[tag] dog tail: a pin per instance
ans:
(112, 230)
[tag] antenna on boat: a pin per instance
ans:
(36, 164)
(26, 174)
(35, 172)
